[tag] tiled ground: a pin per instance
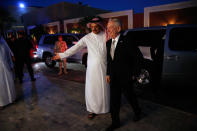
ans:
(53, 104)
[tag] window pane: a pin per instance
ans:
(183, 39)
(50, 39)
(69, 39)
(147, 38)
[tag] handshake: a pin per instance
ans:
(56, 57)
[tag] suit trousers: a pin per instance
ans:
(20, 66)
(118, 85)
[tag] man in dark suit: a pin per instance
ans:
(123, 61)
(22, 54)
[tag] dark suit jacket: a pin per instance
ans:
(127, 58)
(22, 48)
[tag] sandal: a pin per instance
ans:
(65, 72)
(60, 73)
(91, 116)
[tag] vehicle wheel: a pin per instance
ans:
(84, 59)
(144, 80)
(48, 61)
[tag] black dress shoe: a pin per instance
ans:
(21, 81)
(137, 117)
(113, 127)
(33, 79)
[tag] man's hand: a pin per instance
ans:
(13, 58)
(56, 57)
(108, 79)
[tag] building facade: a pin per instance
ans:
(176, 13)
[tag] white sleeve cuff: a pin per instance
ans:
(62, 55)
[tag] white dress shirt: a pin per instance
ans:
(116, 40)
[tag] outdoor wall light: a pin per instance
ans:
(21, 5)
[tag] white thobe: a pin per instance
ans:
(7, 88)
(96, 88)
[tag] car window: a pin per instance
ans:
(50, 39)
(183, 39)
(79, 36)
(69, 39)
(150, 42)
(147, 38)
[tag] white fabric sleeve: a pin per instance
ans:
(6, 45)
(6, 54)
(74, 49)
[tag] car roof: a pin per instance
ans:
(78, 36)
(148, 28)
(162, 27)
(181, 25)
(63, 34)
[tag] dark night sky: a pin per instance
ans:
(113, 5)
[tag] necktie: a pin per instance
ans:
(112, 48)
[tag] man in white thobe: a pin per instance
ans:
(96, 88)
(7, 88)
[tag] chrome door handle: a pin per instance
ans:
(172, 57)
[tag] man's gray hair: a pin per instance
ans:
(116, 21)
